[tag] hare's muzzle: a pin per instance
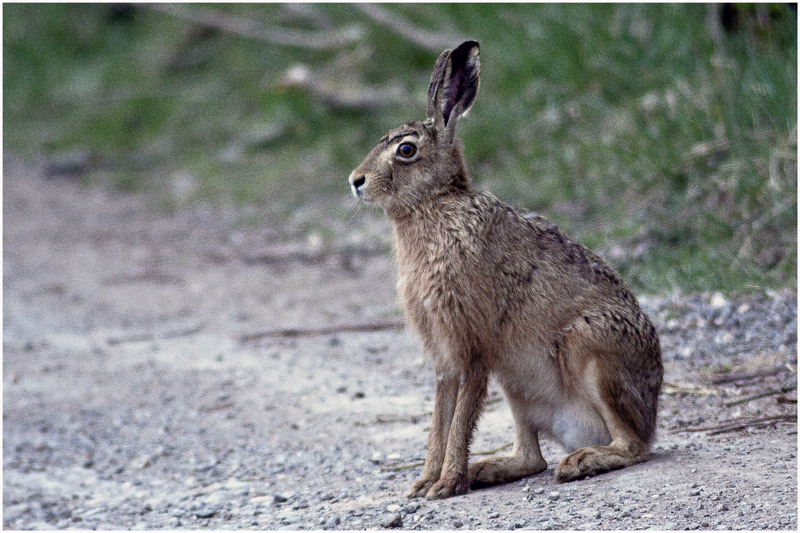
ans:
(357, 185)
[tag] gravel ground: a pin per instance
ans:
(130, 400)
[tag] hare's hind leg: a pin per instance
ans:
(619, 376)
(525, 459)
(625, 449)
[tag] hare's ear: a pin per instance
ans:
(454, 85)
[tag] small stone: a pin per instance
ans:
(723, 507)
(554, 496)
(718, 301)
(538, 490)
(494, 515)
(694, 492)
(394, 522)
(411, 508)
(458, 524)
(281, 498)
(393, 508)
(205, 512)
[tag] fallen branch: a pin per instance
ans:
(415, 464)
(340, 96)
(782, 390)
(396, 323)
(409, 418)
(433, 42)
(392, 468)
(730, 378)
(733, 425)
(756, 423)
(782, 399)
(492, 452)
(149, 336)
(312, 256)
(220, 20)
(685, 388)
(413, 418)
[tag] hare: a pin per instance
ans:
(491, 290)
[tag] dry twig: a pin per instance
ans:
(341, 96)
(150, 336)
(434, 42)
(782, 390)
(413, 418)
(739, 423)
(685, 388)
(215, 18)
(415, 464)
(381, 325)
(756, 423)
(730, 378)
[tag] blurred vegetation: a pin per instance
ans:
(664, 136)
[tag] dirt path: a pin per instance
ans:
(130, 402)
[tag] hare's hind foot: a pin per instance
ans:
(497, 470)
(593, 460)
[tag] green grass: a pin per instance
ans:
(631, 126)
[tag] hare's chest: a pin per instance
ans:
(429, 287)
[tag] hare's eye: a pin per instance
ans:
(406, 150)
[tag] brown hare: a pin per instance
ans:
(492, 290)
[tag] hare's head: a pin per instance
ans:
(422, 159)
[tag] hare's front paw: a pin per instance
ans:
(449, 486)
(421, 487)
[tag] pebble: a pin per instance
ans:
(281, 497)
(554, 496)
(538, 490)
(394, 522)
(494, 515)
(393, 508)
(411, 508)
(458, 523)
(694, 492)
(205, 512)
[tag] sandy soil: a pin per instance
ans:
(130, 400)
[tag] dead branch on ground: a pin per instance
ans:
(311, 256)
(782, 390)
(336, 95)
(730, 378)
(432, 41)
(391, 468)
(215, 18)
(413, 418)
(740, 423)
(150, 336)
(380, 325)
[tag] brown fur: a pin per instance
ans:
(493, 291)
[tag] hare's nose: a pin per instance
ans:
(357, 184)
